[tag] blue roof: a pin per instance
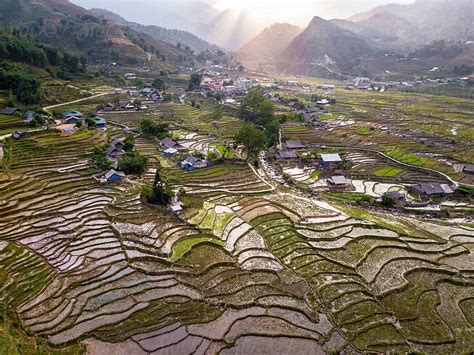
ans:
(73, 113)
(99, 121)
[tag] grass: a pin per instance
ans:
(407, 158)
(183, 246)
(388, 172)
(364, 131)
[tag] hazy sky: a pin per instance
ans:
(299, 12)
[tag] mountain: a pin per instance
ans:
(268, 44)
(433, 19)
(69, 26)
(229, 29)
(171, 36)
(324, 49)
(386, 31)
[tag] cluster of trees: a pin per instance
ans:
(263, 127)
(24, 86)
(133, 163)
(195, 82)
(151, 129)
(161, 192)
(17, 47)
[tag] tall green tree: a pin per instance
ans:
(257, 108)
(252, 139)
(195, 81)
(161, 192)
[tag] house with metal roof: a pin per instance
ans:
(191, 163)
(338, 181)
(432, 189)
(293, 145)
(331, 158)
(114, 176)
(286, 155)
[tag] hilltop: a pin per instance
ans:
(64, 24)
(172, 36)
(324, 49)
(269, 43)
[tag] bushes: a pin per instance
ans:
(160, 193)
(133, 163)
(99, 157)
(25, 86)
(151, 129)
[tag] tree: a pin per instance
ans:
(133, 163)
(137, 102)
(159, 84)
(388, 201)
(257, 108)
(129, 144)
(212, 155)
(195, 81)
(161, 192)
(252, 139)
(272, 132)
(152, 129)
(99, 157)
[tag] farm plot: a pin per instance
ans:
(10, 124)
(226, 178)
(250, 268)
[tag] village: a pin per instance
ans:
(307, 167)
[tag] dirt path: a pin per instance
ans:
(76, 101)
(455, 183)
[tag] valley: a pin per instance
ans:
(159, 196)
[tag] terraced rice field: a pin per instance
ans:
(248, 267)
(10, 124)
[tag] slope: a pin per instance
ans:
(268, 44)
(160, 33)
(324, 49)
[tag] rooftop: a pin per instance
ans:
(331, 158)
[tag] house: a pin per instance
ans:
(114, 176)
(18, 134)
(29, 116)
(338, 181)
(117, 143)
(294, 145)
(130, 76)
(9, 111)
(72, 113)
(133, 93)
(129, 106)
(323, 102)
(176, 208)
(286, 155)
(191, 163)
(328, 159)
(432, 189)
(469, 169)
(72, 120)
(100, 122)
(170, 152)
(169, 143)
(114, 153)
(109, 107)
